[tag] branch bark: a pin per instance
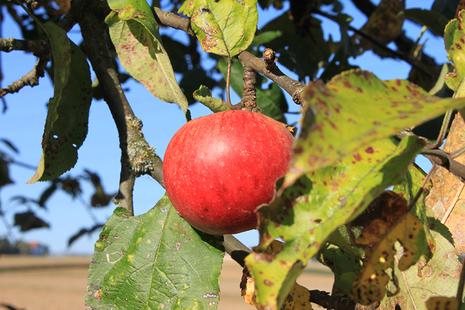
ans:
(31, 78)
(291, 86)
(137, 157)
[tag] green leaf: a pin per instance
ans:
(454, 39)
(154, 261)
(354, 109)
(435, 21)
(308, 212)
(271, 101)
(344, 260)
(204, 96)
(68, 110)
(134, 32)
(223, 27)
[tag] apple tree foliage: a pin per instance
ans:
(352, 197)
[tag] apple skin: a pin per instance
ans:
(219, 168)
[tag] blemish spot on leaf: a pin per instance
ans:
(369, 150)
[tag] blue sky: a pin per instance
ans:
(23, 124)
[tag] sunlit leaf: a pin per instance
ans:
(154, 261)
(298, 297)
(354, 109)
(222, 27)
(204, 96)
(454, 39)
(68, 110)
(134, 32)
(308, 212)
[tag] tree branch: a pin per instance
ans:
(236, 249)
(137, 157)
(395, 54)
(31, 78)
(172, 20)
(403, 43)
(443, 159)
(37, 47)
(291, 86)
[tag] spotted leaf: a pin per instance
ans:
(389, 224)
(134, 32)
(223, 27)
(309, 211)
(437, 276)
(68, 110)
(154, 261)
(454, 39)
(354, 109)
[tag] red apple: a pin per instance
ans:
(219, 168)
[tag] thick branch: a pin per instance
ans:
(291, 86)
(137, 157)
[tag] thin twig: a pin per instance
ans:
(31, 78)
(443, 131)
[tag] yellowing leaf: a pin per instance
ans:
(223, 27)
(134, 32)
(388, 226)
(308, 212)
(354, 109)
(297, 299)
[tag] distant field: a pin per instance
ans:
(58, 283)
